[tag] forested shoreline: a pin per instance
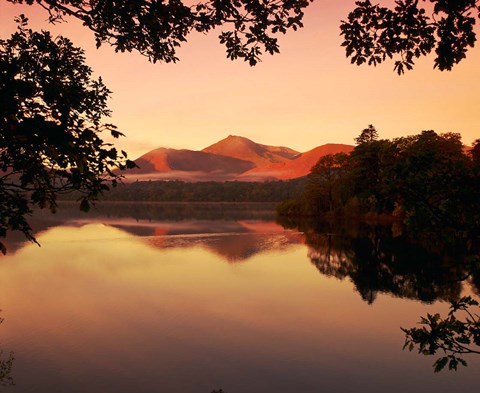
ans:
(427, 180)
(180, 191)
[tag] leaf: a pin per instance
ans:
(440, 364)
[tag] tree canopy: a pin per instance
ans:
(51, 115)
(156, 28)
(413, 28)
(427, 180)
(372, 33)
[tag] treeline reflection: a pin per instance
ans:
(376, 258)
(179, 211)
(384, 259)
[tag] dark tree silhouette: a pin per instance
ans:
(368, 135)
(51, 117)
(413, 28)
(452, 336)
(156, 28)
(325, 180)
(427, 180)
(475, 152)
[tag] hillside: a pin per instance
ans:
(298, 167)
(185, 164)
(232, 158)
(246, 149)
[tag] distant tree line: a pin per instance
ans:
(427, 180)
(180, 191)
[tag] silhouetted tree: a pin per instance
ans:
(452, 336)
(156, 28)
(324, 186)
(51, 117)
(432, 179)
(413, 28)
(372, 33)
(370, 164)
(368, 135)
(475, 152)
(426, 179)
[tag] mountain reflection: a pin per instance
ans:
(152, 219)
(232, 241)
(234, 232)
(375, 258)
(382, 259)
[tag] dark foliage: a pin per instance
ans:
(157, 28)
(425, 180)
(179, 191)
(453, 336)
(427, 266)
(409, 30)
(51, 117)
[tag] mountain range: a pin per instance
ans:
(232, 158)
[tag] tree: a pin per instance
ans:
(453, 336)
(323, 189)
(370, 166)
(51, 118)
(368, 135)
(475, 152)
(373, 33)
(156, 28)
(432, 179)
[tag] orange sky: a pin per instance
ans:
(307, 95)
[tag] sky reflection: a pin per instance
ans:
(97, 309)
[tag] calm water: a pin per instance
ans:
(179, 299)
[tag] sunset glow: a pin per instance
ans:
(306, 96)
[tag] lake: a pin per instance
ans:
(192, 298)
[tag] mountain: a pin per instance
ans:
(245, 149)
(232, 158)
(185, 164)
(298, 167)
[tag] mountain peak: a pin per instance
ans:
(234, 157)
(246, 149)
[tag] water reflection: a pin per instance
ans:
(376, 258)
(99, 308)
(152, 219)
(376, 261)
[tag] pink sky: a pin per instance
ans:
(307, 95)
